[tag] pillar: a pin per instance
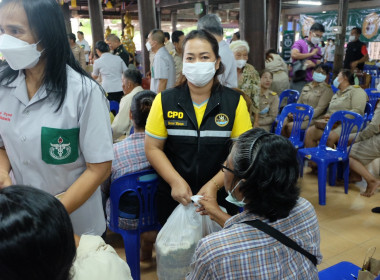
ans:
(122, 23)
(284, 22)
(174, 20)
(273, 14)
(97, 24)
(252, 23)
(67, 15)
(158, 17)
(340, 38)
(147, 23)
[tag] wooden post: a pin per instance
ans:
(67, 15)
(122, 14)
(340, 38)
(97, 24)
(285, 21)
(173, 17)
(158, 17)
(252, 23)
(273, 14)
(147, 23)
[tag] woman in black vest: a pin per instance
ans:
(189, 128)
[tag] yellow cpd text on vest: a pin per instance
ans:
(174, 114)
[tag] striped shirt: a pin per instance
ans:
(240, 251)
(129, 156)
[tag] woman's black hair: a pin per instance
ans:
(46, 21)
(324, 67)
(349, 75)
(36, 236)
(262, 72)
(140, 107)
(268, 54)
(268, 165)
(207, 36)
(102, 46)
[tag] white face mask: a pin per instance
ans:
(199, 73)
(148, 46)
(315, 40)
(19, 54)
(351, 38)
(241, 63)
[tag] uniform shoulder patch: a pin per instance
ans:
(274, 93)
(356, 86)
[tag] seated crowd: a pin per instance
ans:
(204, 127)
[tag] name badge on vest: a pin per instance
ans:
(175, 123)
(59, 146)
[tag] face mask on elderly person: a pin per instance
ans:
(240, 63)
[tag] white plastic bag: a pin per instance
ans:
(177, 240)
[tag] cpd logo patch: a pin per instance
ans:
(221, 120)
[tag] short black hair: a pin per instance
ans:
(324, 67)
(102, 46)
(140, 107)
(237, 34)
(176, 34)
(211, 23)
(72, 37)
(358, 30)
(158, 36)
(167, 35)
(37, 238)
(133, 75)
(81, 33)
(267, 164)
(317, 27)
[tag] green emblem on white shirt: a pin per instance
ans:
(59, 146)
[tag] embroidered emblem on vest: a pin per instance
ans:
(221, 120)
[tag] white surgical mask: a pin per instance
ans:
(319, 77)
(233, 200)
(336, 82)
(315, 40)
(19, 54)
(148, 46)
(351, 38)
(240, 63)
(199, 73)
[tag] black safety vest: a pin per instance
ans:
(195, 153)
(353, 53)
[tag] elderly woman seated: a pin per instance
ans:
(248, 77)
(260, 174)
(348, 98)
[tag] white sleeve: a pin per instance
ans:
(95, 70)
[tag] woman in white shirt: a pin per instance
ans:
(110, 67)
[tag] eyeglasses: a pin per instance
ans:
(228, 169)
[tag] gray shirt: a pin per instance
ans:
(163, 68)
(229, 77)
(49, 149)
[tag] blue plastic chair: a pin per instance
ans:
(291, 95)
(334, 89)
(326, 157)
(339, 271)
(373, 96)
(300, 112)
(114, 107)
(144, 185)
(368, 114)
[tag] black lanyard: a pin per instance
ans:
(282, 238)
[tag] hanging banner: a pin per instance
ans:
(287, 43)
(367, 19)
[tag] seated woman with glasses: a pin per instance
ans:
(260, 174)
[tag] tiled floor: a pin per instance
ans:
(347, 225)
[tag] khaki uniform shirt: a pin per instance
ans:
(279, 69)
(353, 98)
(78, 53)
(318, 97)
(372, 129)
(268, 99)
(178, 65)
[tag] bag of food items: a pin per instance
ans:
(177, 240)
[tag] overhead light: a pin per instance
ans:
(323, 12)
(316, 3)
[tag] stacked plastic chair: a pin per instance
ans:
(326, 157)
(142, 184)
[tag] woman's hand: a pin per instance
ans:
(181, 192)
(326, 117)
(208, 190)
(5, 180)
(210, 207)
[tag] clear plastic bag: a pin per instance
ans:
(177, 240)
